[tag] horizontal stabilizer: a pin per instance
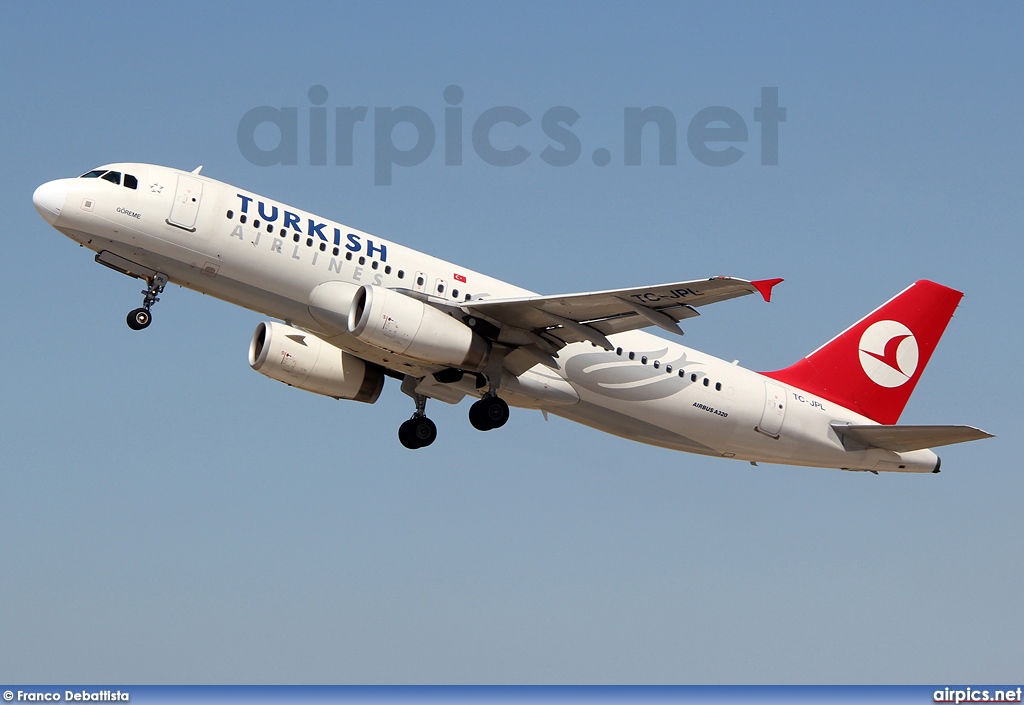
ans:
(904, 438)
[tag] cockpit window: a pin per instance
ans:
(94, 174)
(130, 181)
(113, 177)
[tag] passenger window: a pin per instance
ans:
(706, 381)
(668, 368)
(718, 386)
(455, 293)
(618, 351)
(113, 177)
(693, 377)
(231, 214)
(256, 224)
(241, 218)
(419, 281)
(130, 181)
(632, 355)
(375, 264)
(657, 364)
(643, 360)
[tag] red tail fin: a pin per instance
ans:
(873, 366)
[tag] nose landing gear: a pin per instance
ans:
(141, 317)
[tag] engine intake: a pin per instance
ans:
(406, 326)
(300, 359)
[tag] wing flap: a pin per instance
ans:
(616, 310)
(904, 438)
(633, 321)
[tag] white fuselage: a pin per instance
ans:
(269, 257)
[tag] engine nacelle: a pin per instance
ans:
(406, 326)
(300, 359)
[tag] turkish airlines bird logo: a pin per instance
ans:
(888, 353)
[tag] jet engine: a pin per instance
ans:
(300, 359)
(406, 326)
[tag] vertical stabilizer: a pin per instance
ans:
(873, 366)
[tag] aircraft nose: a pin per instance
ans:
(49, 199)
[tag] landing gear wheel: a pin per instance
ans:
(139, 318)
(417, 432)
(405, 435)
(488, 413)
(424, 431)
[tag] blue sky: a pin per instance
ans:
(168, 515)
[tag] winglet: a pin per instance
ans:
(765, 286)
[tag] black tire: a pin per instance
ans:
(417, 433)
(477, 417)
(496, 411)
(139, 318)
(488, 413)
(424, 431)
(406, 437)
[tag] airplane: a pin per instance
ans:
(353, 309)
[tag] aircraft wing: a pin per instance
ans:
(551, 322)
(906, 438)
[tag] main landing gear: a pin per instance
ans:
(486, 414)
(141, 317)
(489, 413)
(419, 431)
